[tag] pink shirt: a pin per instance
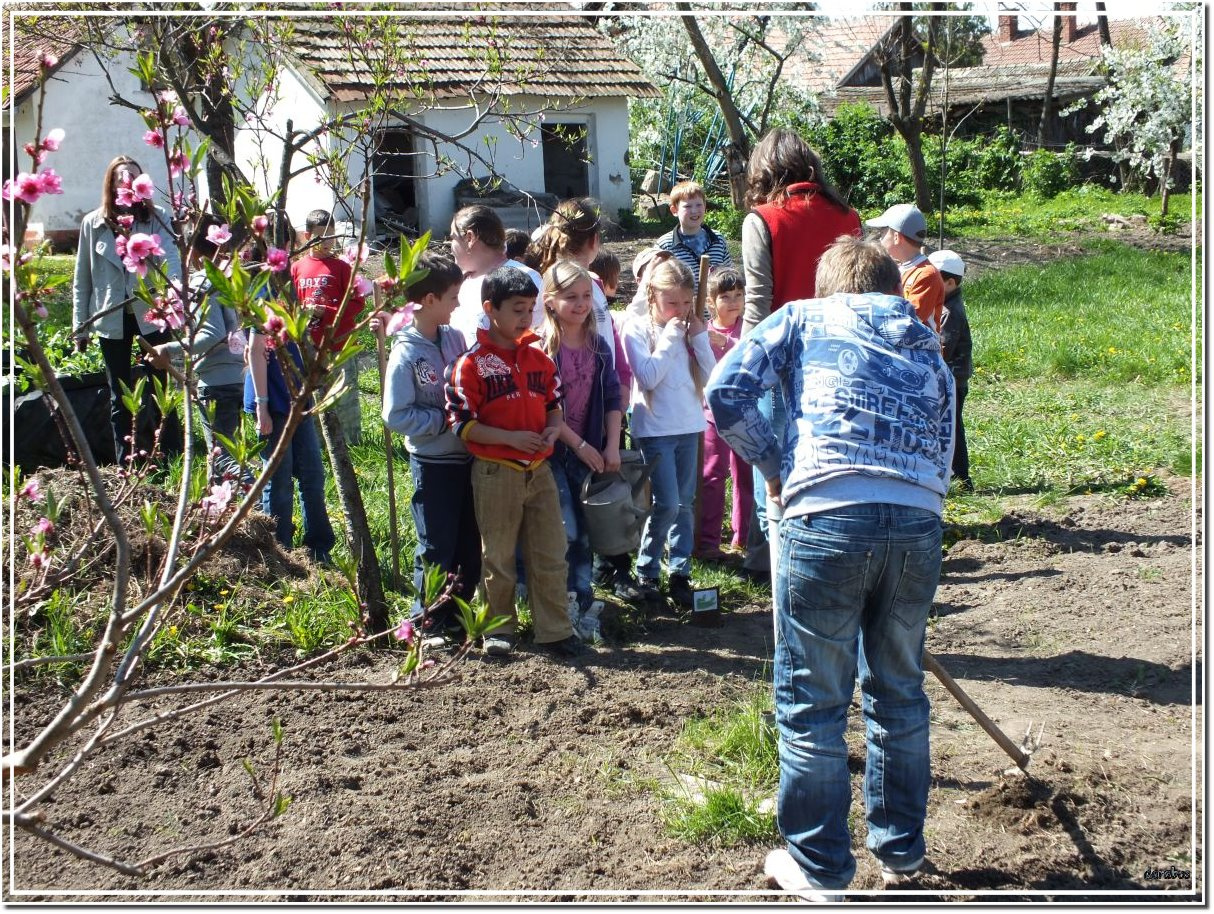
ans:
(577, 377)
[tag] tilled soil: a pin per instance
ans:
(536, 775)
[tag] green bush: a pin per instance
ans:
(998, 161)
(863, 157)
(723, 218)
(1046, 174)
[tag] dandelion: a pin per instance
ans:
(289, 599)
(1112, 350)
(1140, 483)
(224, 593)
(221, 606)
(1100, 434)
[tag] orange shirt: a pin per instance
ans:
(923, 288)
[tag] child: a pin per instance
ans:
(670, 358)
(268, 397)
(325, 284)
(726, 300)
(650, 257)
(217, 348)
(503, 400)
(691, 238)
(606, 266)
(958, 353)
(905, 232)
(589, 440)
(517, 242)
(478, 244)
(415, 406)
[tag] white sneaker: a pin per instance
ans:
(573, 608)
(892, 878)
(498, 645)
(783, 870)
(588, 626)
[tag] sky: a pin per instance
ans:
(1034, 12)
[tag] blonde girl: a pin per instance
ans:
(668, 351)
(589, 439)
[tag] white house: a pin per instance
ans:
(556, 66)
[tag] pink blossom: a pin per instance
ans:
(154, 138)
(44, 527)
(40, 311)
(139, 247)
(402, 318)
(53, 139)
(126, 221)
(123, 195)
(143, 187)
(25, 187)
(277, 259)
(166, 97)
(404, 632)
(32, 490)
(219, 234)
(167, 311)
(177, 163)
(180, 118)
(363, 287)
(217, 502)
(6, 257)
(260, 224)
(50, 182)
(274, 325)
(38, 559)
(48, 60)
(356, 254)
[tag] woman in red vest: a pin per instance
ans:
(795, 216)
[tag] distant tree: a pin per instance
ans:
(1047, 104)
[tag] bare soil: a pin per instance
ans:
(1076, 620)
(534, 775)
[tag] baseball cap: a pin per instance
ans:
(947, 262)
(904, 218)
(643, 259)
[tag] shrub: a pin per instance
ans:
(998, 160)
(723, 218)
(863, 157)
(1046, 174)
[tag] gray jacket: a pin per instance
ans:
(415, 397)
(103, 282)
(214, 362)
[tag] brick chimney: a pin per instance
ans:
(1070, 26)
(1007, 28)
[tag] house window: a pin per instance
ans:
(394, 184)
(566, 159)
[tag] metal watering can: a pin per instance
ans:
(616, 505)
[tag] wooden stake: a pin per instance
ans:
(392, 524)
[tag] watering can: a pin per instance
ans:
(616, 505)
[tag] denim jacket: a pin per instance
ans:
(870, 400)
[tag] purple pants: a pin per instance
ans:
(719, 463)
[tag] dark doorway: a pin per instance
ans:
(393, 184)
(566, 167)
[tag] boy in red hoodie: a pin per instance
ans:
(326, 284)
(504, 401)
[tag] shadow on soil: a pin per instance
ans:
(1065, 533)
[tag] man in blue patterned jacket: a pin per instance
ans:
(861, 478)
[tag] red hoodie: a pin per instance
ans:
(512, 389)
(321, 283)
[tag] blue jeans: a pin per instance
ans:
(444, 517)
(301, 461)
(674, 494)
(853, 587)
(569, 473)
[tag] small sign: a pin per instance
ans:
(704, 606)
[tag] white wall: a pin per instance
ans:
(95, 133)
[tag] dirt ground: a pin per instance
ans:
(528, 774)
(531, 775)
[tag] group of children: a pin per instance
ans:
(514, 382)
(505, 416)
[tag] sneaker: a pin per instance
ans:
(783, 870)
(435, 641)
(498, 645)
(588, 625)
(680, 590)
(650, 592)
(573, 608)
(626, 588)
(566, 647)
(710, 556)
(892, 878)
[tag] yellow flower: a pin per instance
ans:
(221, 606)
(1079, 438)
(172, 631)
(1112, 350)
(1100, 434)
(1140, 483)
(224, 593)
(190, 586)
(288, 599)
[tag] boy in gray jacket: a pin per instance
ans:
(415, 406)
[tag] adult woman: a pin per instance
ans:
(104, 301)
(478, 243)
(795, 216)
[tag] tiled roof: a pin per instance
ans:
(1034, 46)
(839, 46)
(55, 36)
(557, 56)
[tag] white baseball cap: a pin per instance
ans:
(947, 262)
(905, 218)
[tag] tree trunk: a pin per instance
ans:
(738, 151)
(918, 165)
(1166, 179)
(1047, 104)
(1102, 26)
(906, 104)
(370, 584)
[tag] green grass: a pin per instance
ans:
(1082, 371)
(1080, 209)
